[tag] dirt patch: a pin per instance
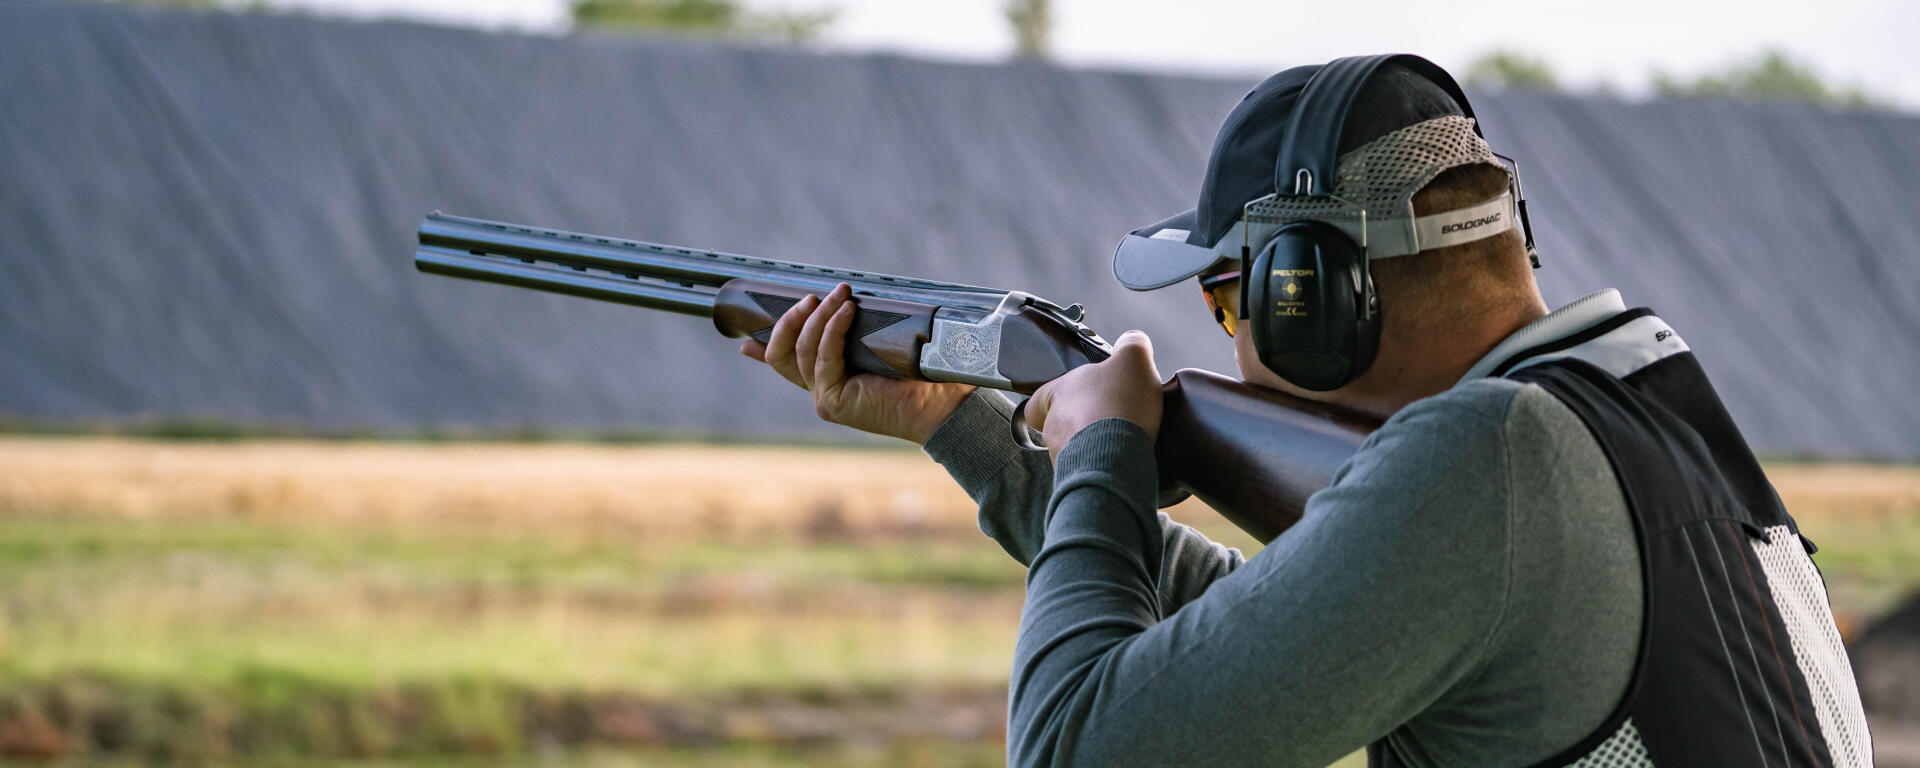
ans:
(1886, 661)
(101, 718)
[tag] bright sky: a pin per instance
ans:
(1618, 42)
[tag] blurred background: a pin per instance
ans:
(269, 497)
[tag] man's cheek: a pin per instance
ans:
(1252, 370)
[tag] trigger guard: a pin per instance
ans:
(1022, 434)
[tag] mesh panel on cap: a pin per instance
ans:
(1383, 175)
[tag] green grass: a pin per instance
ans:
(367, 606)
(275, 718)
(182, 640)
(910, 755)
(514, 630)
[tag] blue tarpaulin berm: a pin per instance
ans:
(212, 215)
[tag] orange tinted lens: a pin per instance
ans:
(1224, 300)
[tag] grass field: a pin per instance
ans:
(366, 603)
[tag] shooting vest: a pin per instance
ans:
(1739, 661)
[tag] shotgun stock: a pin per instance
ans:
(1252, 454)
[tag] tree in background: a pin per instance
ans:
(1032, 22)
(1771, 76)
(1510, 70)
(703, 18)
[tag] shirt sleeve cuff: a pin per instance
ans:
(976, 441)
(1119, 449)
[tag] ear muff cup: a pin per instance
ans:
(1310, 306)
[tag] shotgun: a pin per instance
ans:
(1252, 454)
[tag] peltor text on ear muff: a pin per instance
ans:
(1308, 306)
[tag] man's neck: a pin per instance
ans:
(1438, 363)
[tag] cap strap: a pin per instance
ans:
(1463, 225)
(1390, 236)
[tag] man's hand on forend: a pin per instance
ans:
(808, 347)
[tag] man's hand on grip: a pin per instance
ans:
(1126, 386)
(808, 347)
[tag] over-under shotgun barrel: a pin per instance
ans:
(687, 268)
(1252, 454)
(553, 279)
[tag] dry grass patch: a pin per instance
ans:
(654, 490)
(1845, 492)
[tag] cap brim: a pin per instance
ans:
(1160, 255)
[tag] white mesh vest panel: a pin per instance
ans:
(1621, 750)
(1801, 597)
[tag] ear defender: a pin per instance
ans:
(1308, 297)
(1310, 306)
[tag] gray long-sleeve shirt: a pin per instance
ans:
(1468, 587)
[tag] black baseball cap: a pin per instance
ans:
(1241, 168)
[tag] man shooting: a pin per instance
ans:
(1557, 550)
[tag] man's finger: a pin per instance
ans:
(1037, 405)
(1137, 350)
(830, 368)
(754, 349)
(1134, 342)
(807, 347)
(779, 352)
